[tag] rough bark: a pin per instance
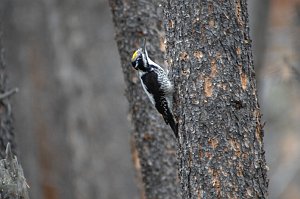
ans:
(221, 134)
(153, 143)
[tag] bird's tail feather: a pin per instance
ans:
(170, 120)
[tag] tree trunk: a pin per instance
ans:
(153, 142)
(221, 134)
(6, 127)
(12, 181)
(70, 112)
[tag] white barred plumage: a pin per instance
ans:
(156, 85)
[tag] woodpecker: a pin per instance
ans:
(156, 85)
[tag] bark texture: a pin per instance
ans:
(153, 142)
(221, 135)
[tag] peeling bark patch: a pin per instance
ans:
(223, 86)
(213, 68)
(213, 143)
(198, 55)
(238, 51)
(208, 155)
(199, 194)
(171, 24)
(244, 81)
(162, 44)
(200, 153)
(238, 12)
(217, 184)
(135, 157)
(185, 72)
(183, 56)
(148, 137)
(215, 181)
(211, 23)
(170, 61)
(258, 134)
(208, 87)
(243, 78)
(236, 147)
(239, 170)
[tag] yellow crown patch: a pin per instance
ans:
(134, 56)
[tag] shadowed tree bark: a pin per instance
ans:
(221, 134)
(153, 142)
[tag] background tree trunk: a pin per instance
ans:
(258, 22)
(153, 142)
(13, 184)
(221, 135)
(6, 119)
(70, 112)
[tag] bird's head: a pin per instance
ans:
(139, 59)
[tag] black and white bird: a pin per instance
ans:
(156, 85)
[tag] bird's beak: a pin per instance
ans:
(144, 46)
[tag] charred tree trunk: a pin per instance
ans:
(12, 182)
(6, 127)
(153, 143)
(221, 134)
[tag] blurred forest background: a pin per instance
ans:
(71, 125)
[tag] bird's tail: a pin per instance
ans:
(170, 120)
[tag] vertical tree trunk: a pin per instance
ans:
(12, 182)
(221, 135)
(6, 127)
(153, 142)
(70, 108)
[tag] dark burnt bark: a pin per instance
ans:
(221, 135)
(6, 127)
(12, 182)
(153, 142)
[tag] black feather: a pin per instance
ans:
(152, 85)
(162, 106)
